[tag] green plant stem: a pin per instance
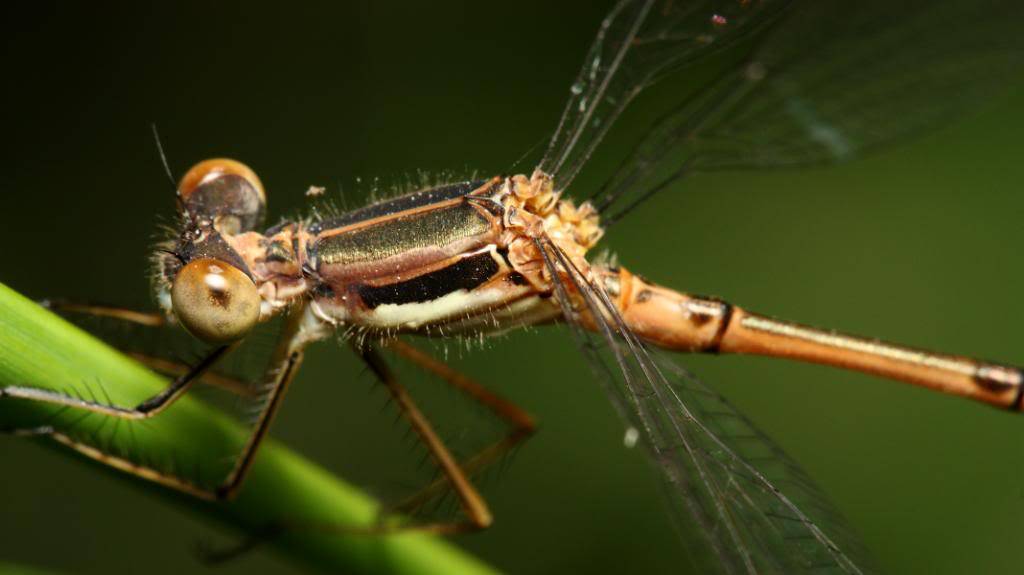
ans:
(40, 349)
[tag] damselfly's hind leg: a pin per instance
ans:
(521, 425)
(478, 516)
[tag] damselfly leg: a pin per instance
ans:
(150, 319)
(455, 476)
(147, 408)
(521, 424)
(139, 317)
(285, 362)
(478, 515)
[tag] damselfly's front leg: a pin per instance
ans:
(147, 408)
(148, 319)
(212, 377)
(186, 376)
(282, 368)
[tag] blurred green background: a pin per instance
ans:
(918, 244)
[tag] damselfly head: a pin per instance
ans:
(206, 285)
(215, 301)
(223, 193)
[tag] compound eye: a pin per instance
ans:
(215, 301)
(225, 192)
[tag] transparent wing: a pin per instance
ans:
(639, 42)
(740, 504)
(829, 80)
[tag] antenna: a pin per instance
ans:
(163, 160)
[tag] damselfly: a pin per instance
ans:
(510, 250)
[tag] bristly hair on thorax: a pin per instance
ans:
(326, 203)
